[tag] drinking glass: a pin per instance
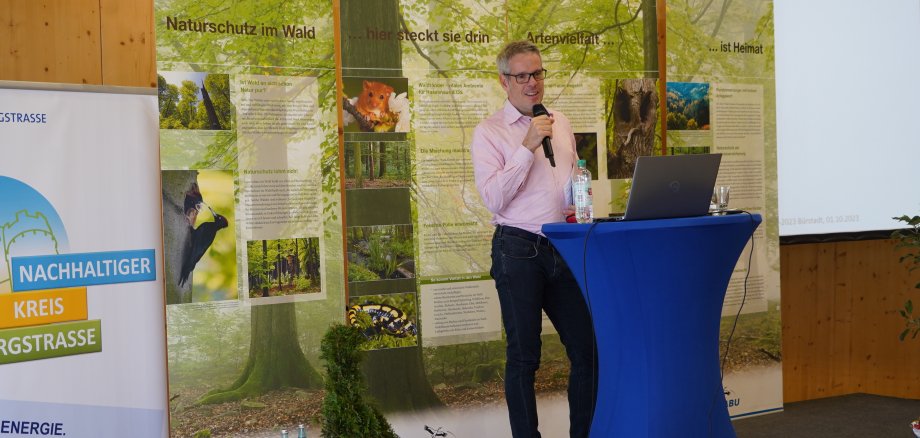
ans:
(720, 198)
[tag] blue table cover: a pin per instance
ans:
(655, 290)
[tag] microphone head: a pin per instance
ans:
(539, 110)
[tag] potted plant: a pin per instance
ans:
(909, 240)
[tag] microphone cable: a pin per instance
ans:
(747, 274)
(731, 333)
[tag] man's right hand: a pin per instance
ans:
(540, 127)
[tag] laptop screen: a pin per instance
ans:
(672, 186)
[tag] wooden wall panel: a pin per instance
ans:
(838, 323)
(840, 306)
(799, 262)
(815, 351)
(880, 286)
(50, 41)
(128, 47)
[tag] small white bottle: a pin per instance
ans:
(581, 193)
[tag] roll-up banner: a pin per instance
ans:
(82, 345)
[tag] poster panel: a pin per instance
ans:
(597, 57)
(252, 222)
(721, 99)
(416, 78)
(81, 327)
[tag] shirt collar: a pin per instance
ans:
(510, 114)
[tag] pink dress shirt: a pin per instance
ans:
(519, 187)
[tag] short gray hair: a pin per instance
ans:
(511, 49)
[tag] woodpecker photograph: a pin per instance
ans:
(202, 238)
(199, 236)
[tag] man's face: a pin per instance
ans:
(523, 96)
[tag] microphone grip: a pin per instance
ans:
(548, 151)
(540, 110)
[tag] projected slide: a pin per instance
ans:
(847, 111)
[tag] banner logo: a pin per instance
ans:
(43, 298)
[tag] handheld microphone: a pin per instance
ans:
(540, 110)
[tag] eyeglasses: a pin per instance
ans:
(523, 78)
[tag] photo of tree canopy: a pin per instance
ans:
(387, 321)
(189, 100)
(377, 164)
(688, 106)
(701, 28)
(380, 252)
(283, 267)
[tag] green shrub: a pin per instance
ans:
(403, 248)
(346, 413)
(357, 272)
(302, 283)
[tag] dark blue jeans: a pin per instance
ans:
(531, 276)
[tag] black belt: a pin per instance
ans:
(504, 230)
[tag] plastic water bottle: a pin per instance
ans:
(581, 193)
(284, 433)
(301, 432)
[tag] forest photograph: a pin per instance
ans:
(387, 321)
(377, 164)
(380, 252)
(283, 267)
(195, 100)
(688, 106)
(376, 105)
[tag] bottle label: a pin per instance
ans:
(581, 194)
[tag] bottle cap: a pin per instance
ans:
(582, 163)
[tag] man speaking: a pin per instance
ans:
(524, 190)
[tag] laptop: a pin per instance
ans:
(670, 186)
